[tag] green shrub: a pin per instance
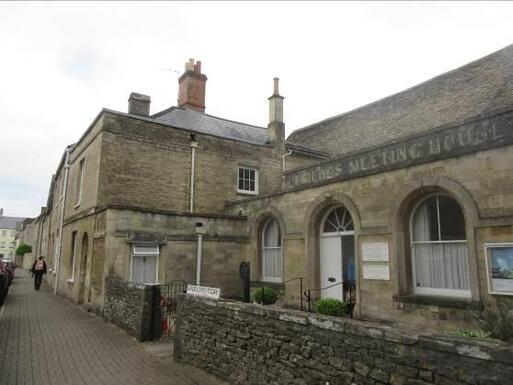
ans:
(331, 306)
(499, 323)
(23, 248)
(267, 296)
(472, 333)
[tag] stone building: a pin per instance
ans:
(8, 228)
(408, 200)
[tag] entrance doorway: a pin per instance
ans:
(337, 256)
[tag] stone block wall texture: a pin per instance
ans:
(133, 307)
(250, 344)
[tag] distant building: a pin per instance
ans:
(399, 199)
(8, 228)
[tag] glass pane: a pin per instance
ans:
(241, 173)
(246, 184)
(442, 265)
(338, 220)
(246, 173)
(241, 184)
(272, 236)
(252, 185)
(452, 223)
(425, 222)
(252, 174)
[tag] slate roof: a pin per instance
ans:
(202, 123)
(10, 222)
(478, 88)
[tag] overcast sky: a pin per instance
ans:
(60, 63)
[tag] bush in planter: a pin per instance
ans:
(332, 306)
(267, 296)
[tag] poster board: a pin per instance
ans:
(499, 267)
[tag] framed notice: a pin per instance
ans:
(375, 252)
(499, 267)
(376, 271)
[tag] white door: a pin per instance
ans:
(331, 266)
(336, 252)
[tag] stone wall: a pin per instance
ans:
(250, 344)
(148, 165)
(133, 307)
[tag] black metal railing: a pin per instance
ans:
(347, 287)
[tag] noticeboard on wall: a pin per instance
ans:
(499, 267)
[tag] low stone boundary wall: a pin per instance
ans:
(250, 344)
(133, 307)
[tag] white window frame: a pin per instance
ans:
(80, 183)
(136, 253)
(262, 240)
(457, 293)
(243, 191)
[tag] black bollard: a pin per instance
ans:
(245, 272)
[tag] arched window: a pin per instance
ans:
(439, 248)
(272, 259)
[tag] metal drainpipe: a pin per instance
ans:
(63, 202)
(283, 160)
(193, 153)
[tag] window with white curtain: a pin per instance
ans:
(145, 259)
(439, 248)
(272, 257)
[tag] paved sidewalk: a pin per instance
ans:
(44, 339)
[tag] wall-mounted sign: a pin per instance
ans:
(204, 291)
(376, 271)
(499, 268)
(375, 252)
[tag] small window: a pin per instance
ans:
(11, 245)
(144, 263)
(80, 177)
(13, 233)
(4, 233)
(247, 181)
(2, 245)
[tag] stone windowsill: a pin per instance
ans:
(459, 303)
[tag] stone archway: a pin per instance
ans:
(316, 212)
(401, 210)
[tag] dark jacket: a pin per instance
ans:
(33, 270)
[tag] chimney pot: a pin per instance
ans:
(139, 104)
(276, 86)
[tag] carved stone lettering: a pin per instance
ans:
(427, 147)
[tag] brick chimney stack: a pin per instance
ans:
(192, 83)
(139, 104)
(276, 125)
